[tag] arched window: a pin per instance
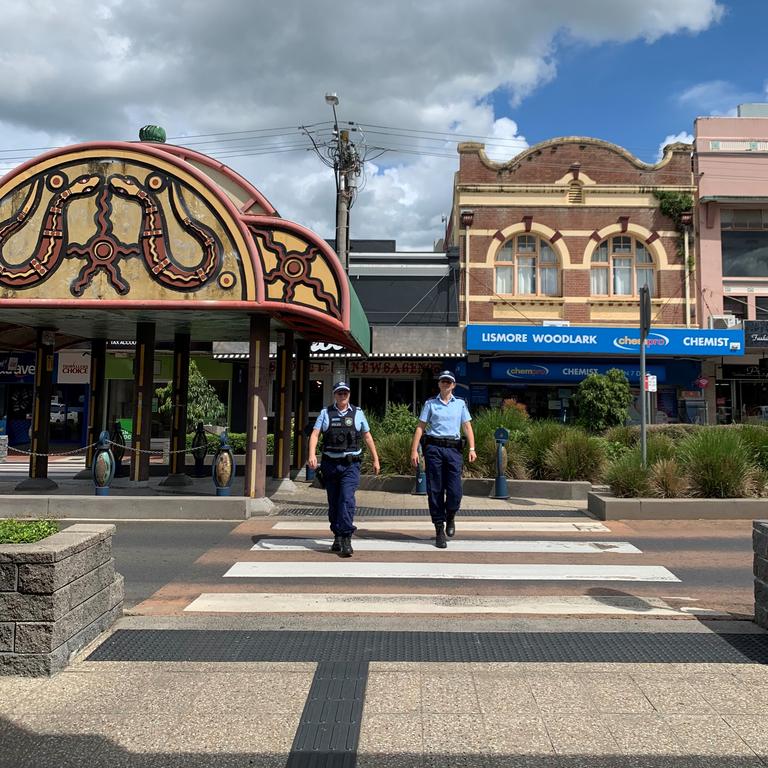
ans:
(620, 266)
(526, 265)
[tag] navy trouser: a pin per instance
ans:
(443, 471)
(341, 480)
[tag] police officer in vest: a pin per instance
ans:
(445, 415)
(344, 427)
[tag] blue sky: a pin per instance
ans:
(635, 94)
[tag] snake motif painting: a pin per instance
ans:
(104, 251)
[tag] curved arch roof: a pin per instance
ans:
(97, 236)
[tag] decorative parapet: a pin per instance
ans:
(56, 596)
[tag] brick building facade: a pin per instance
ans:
(565, 234)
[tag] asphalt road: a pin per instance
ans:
(150, 554)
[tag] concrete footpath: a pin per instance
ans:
(411, 713)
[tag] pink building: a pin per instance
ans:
(731, 169)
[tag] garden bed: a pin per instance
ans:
(605, 506)
(56, 596)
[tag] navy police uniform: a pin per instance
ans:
(442, 447)
(340, 463)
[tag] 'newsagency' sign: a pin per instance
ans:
(604, 341)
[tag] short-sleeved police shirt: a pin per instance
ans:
(323, 421)
(445, 419)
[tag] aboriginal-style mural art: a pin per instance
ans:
(152, 224)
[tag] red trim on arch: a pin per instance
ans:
(596, 237)
(528, 221)
(654, 236)
(557, 236)
(498, 236)
(624, 221)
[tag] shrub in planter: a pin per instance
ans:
(626, 435)
(667, 480)
(718, 464)
(394, 455)
(627, 477)
(26, 531)
(485, 465)
(539, 438)
(575, 456)
(602, 400)
(755, 439)
(659, 447)
(398, 420)
(673, 431)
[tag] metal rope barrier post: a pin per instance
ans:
(199, 450)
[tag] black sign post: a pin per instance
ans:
(645, 327)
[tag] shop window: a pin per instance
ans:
(526, 265)
(373, 395)
(761, 307)
(621, 266)
(401, 392)
(736, 306)
(744, 242)
(316, 403)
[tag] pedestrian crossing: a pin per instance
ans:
(285, 574)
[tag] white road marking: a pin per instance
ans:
(346, 569)
(456, 545)
(270, 602)
(470, 526)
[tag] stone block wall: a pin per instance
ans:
(56, 596)
(760, 569)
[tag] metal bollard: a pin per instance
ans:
(500, 490)
(223, 467)
(199, 450)
(103, 465)
(421, 476)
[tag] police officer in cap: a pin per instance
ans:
(344, 429)
(445, 415)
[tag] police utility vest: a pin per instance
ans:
(341, 434)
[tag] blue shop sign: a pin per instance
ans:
(604, 341)
(576, 370)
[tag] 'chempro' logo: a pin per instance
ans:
(632, 343)
(526, 371)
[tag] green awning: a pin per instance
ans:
(359, 328)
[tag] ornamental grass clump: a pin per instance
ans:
(659, 447)
(394, 455)
(627, 477)
(755, 440)
(718, 464)
(667, 480)
(539, 439)
(484, 425)
(626, 435)
(575, 456)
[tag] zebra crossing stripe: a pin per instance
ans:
(457, 545)
(468, 526)
(345, 569)
(552, 605)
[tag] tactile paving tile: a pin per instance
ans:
(329, 729)
(616, 647)
(380, 512)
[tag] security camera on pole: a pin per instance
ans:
(645, 327)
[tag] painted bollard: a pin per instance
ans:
(199, 450)
(103, 465)
(421, 476)
(223, 467)
(117, 439)
(500, 490)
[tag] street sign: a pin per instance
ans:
(645, 309)
(650, 382)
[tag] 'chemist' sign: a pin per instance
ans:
(604, 341)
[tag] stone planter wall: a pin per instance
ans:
(760, 570)
(56, 596)
(604, 506)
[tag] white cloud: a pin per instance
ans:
(717, 97)
(82, 70)
(673, 138)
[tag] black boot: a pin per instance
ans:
(336, 546)
(450, 524)
(346, 546)
(440, 541)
